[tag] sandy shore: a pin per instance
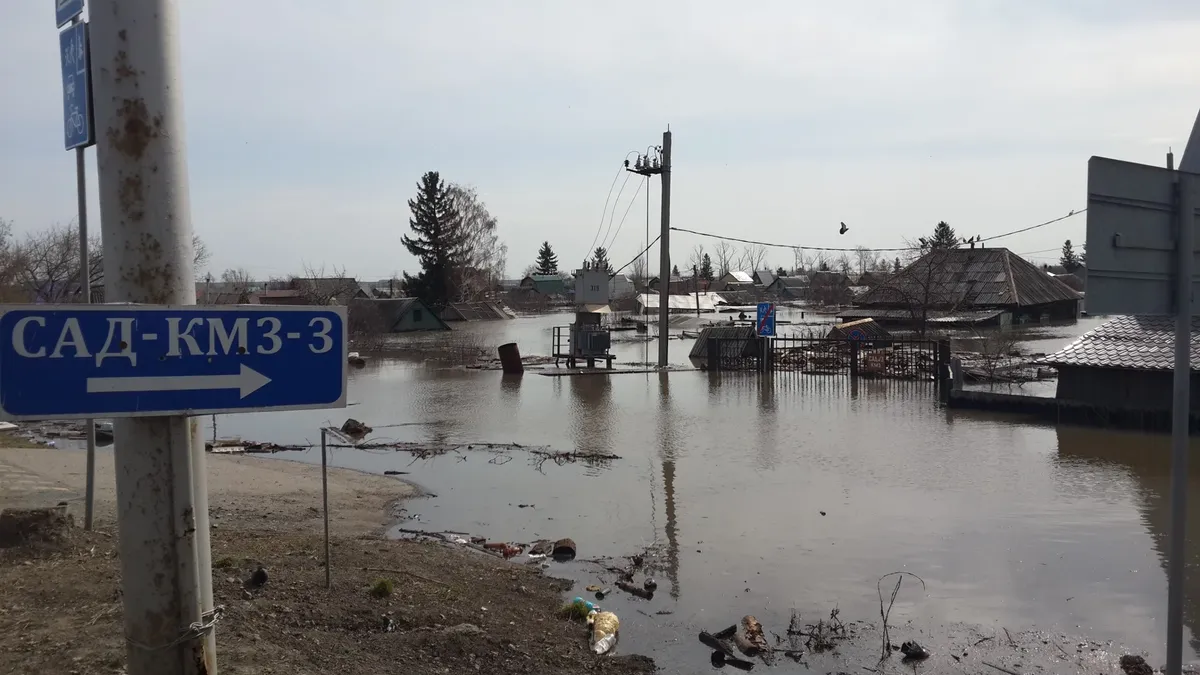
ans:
(243, 485)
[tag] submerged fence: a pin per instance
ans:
(896, 359)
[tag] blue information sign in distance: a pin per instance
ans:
(65, 10)
(76, 361)
(77, 86)
(765, 325)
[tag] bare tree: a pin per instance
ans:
(236, 287)
(800, 261)
(484, 256)
(697, 257)
(45, 265)
(863, 258)
(10, 265)
(320, 288)
(843, 264)
(723, 251)
(924, 287)
(200, 254)
(637, 270)
(753, 257)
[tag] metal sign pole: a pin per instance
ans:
(1180, 423)
(85, 291)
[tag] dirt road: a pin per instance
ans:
(447, 609)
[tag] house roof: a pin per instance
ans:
(740, 277)
(390, 311)
(933, 316)
(798, 281)
(970, 277)
(1128, 342)
(765, 277)
(828, 278)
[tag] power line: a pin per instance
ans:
(618, 270)
(607, 200)
(836, 249)
(1034, 227)
(632, 200)
(611, 215)
(791, 246)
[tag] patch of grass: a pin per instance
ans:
(9, 439)
(575, 611)
(382, 588)
(223, 563)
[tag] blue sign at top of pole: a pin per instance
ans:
(77, 86)
(765, 325)
(65, 10)
(78, 361)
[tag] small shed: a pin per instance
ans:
(862, 330)
(736, 342)
(1125, 364)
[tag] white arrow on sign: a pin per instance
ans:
(247, 381)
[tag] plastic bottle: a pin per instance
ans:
(605, 627)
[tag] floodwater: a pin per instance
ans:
(771, 492)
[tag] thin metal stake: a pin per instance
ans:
(85, 290)
(325, 504)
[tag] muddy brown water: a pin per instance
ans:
(768, 493)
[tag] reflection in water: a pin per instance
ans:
(510, 390)
(591, 412)
(668, 452)
(1147, 460)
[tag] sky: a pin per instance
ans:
(308, 124)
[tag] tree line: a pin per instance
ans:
(45, 266)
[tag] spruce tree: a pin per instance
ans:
(547, 261)
(437, 241)
(943, 237)
(600, 260)
(1070, 260)
(706, 268)
(675, 271)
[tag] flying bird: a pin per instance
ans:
(843, 230)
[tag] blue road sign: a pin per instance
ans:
(765, 324)
(65, 10)
(74, 361)
(77, 86)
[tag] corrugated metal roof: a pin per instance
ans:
(970, 277)
(708, 301)
(1128, 342)
(862, 329)
(933, 316)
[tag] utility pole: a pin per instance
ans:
(1181, 403)
(696, 284)
(147, 231)
(661, 165)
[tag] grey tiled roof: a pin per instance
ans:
(1130, 342)
(969, 278)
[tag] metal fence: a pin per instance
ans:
(896, 359)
